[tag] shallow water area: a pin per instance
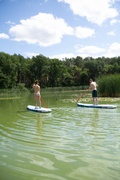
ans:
(70, 143)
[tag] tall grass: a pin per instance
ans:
(20, 88)
(109, 85)
(72, 88)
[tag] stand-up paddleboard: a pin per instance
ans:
(37, 109)
(105, 106)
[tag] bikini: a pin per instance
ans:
(37, 94)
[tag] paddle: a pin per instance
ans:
(82, 95)
(43, 103)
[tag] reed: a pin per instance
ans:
(109, 85)
(20, 88)
(72, 88)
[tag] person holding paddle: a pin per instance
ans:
(37, 96)
(93, 87)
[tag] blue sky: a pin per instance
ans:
(60, 28)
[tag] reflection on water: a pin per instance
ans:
(70, 143)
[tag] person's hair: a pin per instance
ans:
(36, 81)
(90, 80)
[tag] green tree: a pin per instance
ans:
(55, 72)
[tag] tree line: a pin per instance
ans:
(15, 69)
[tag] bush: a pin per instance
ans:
(109, 85)
(21, 87)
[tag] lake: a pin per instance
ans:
(70, 143)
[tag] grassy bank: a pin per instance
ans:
(73, 88)
(13, 92)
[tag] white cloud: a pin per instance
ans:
(43, 29)
(83, 32)
(113, 21)
(90, 50)
(62, 56)
(4, 36)
(95, 11)
(10, 22)
(30, 54)
(111, 33)
(113, 50)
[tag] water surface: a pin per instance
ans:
(71, 143)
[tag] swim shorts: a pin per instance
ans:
(94, 93)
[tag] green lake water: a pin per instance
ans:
(70, 143)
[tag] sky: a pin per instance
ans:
(60, 28)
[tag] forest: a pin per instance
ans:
(15, 69)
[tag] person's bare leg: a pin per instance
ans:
(96, 101)
(35, 99)
(39, 99)
(93, 101)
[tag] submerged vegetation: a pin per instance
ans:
(18, 73)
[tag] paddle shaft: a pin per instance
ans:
(43, 102)
(82, 95)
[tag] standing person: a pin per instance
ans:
(37, 96)
(93, 87)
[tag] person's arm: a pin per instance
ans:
(33, 86)
(90, 87)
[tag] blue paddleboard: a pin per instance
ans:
(104, 106)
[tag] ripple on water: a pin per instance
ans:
(69, 143)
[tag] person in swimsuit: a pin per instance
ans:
(37, 96)
(93, 87)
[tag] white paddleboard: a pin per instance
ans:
(37, 109)
(105, 106)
